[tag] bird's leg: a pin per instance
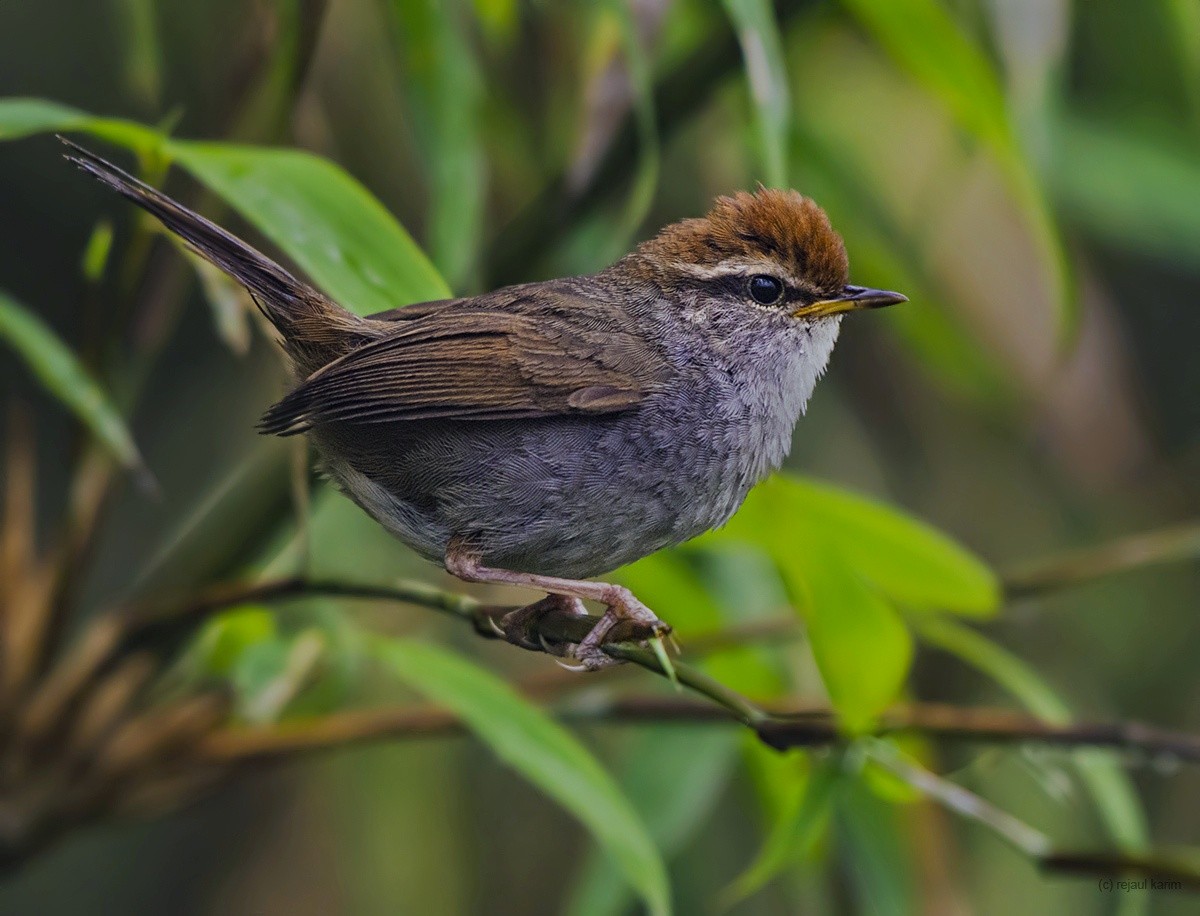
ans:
(619, 602)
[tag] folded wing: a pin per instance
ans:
(545, 353)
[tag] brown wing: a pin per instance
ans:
(539, 351)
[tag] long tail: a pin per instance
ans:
(314, 328)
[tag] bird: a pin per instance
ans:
(548, 433)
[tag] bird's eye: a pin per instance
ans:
(765, 290)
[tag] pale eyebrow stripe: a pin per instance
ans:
(736, 267)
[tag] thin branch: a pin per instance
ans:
(778, 728)
(1149, 548)
(782, 727)
(999, 726)
(1024, 838)
(242, 745)
(226, 595)
(1030, 841)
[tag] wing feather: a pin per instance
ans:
(545, 352)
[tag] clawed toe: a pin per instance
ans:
(591, 659)
(567, 667)
(520, 627)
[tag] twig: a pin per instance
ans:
(1030, 841)
(780, 727)
(241, 745)
(1166, 545)
(227, 595)
(817, 727)
(1026, 839)
(144, 621)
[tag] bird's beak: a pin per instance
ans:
(852, 299)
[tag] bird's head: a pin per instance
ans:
(772, 252)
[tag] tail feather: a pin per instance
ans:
(308, 321)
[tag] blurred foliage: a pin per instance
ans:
(1027, 172)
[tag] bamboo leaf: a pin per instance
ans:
(675, 778)
(860, 643)
(21, 117)
(906, 559)
(320, 216)
(57, 368)
(342, 237)
(877, 839)
(847, 562)
(541, 750)
(143, 54)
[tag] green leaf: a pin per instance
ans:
(323, 219)
(226, 637)
(95, 254)
(793, 833)
(675, 778)
(762, 51)
(23, 117)
(903, 558)
(269, 675)
(845, 560)
(265, 668)
(541, 750)
(445, 92)
(1108, 784)
(1185, 30)
(877, 839)
(498, 18)
(326, 221)
(1130, 187)
(923, 38)
(56, 367)
(860, 643)
(906, 559)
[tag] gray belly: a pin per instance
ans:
(564, 496)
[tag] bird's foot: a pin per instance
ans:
(519, 627)
(622, 609)
(625, 619)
